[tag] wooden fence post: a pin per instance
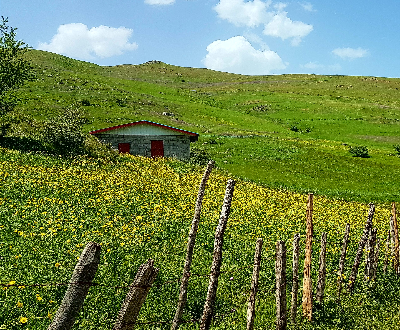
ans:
(190, 248)
(387, 253)
(136, 296)
(78, 288)
(369, 255)
(307, 282)
(205, 320)
(280, 275)
(360, 250)
(254, 285)
(392, 240)
(342, 259)
(376, 259)
(295, 271)
(322, 270)
(396, 239)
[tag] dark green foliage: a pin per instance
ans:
(359, 151)
(397, 149)
(199, 155)
(121, 102)
(64, 133)
(15, 70)
(96, 149)
(85, 102)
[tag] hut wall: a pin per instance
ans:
(177, 146)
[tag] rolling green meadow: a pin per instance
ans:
(280, 137)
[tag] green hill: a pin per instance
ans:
(291, 131)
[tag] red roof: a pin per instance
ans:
(144, 122)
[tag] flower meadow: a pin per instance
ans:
(139, 208)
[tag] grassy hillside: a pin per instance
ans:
(291, 131)
(138, 208)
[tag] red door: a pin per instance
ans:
(124, 148)
(157, 148)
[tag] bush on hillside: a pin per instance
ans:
(397, 149)
(199, 156)
(64, 135)
(96, 149)
(359, 151)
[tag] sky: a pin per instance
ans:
(257, 37)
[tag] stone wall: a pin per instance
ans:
(177, 146)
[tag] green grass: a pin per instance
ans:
(303, 125)
(137, 209)
(321, 167)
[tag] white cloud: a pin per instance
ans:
(237, 55)
(283, 27)
(159, 2)
(241, 13)
(76, 40)
(280, 6)
(307, 6)
(257, 12)
(350, 53)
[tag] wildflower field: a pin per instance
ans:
(138, 208)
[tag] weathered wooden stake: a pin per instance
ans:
(251, 307)
(376, 259)
(387, 253)
(78, 288)
(295, 271)
(307, 282)
(396, 239)
(392, 240)
(280, 275)
(342, 260)
(369, 255)
(205, 321)
(360, 250)
(190, 247)
(136, 296)
(322, 270)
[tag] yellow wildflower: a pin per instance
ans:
(23, 319)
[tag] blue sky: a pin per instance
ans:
(348, 37)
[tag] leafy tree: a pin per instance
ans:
(64, 135)
(15, 70)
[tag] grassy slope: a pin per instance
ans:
(138, 208)
(330, 113)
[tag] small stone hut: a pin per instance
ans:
(146, 138)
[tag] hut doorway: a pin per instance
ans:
(157, 148)
(124, 148)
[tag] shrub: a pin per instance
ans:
(94, 148)
(397, 149)
(64, 134)
(199, 156)
(85, 102)
(359, 151)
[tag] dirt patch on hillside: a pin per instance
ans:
(389, 139)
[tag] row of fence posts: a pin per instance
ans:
(87, 265)
(368, 243)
